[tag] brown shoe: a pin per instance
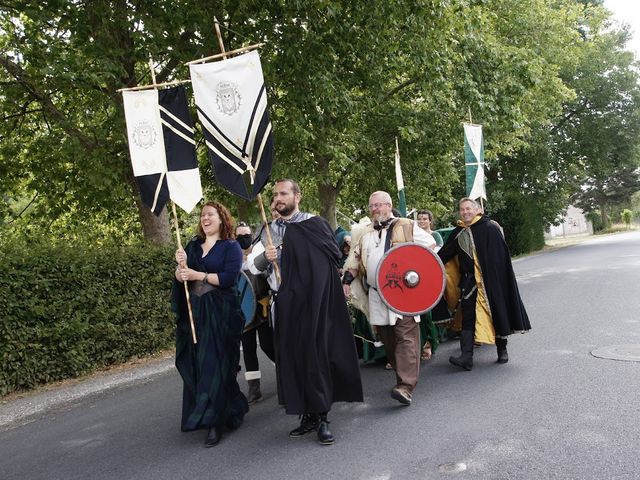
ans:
(401, 395)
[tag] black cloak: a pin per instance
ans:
(316, 358)
(507, 310)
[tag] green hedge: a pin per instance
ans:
(68, 310)
(522, 224)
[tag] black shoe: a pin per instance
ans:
(308, 422)
(462, 362)
(501, 347)
(325, 437)
(465, 360)
(213, 437)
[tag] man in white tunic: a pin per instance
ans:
(400, 334)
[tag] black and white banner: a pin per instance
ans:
(160, 132)
(231, 100)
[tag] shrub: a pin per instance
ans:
(596, 220)
(68, 310)
(522, 224)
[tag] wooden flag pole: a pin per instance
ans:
(223, 51)
(267, 230)
(276, 267)
(154, 85)
(224, 55)
(470, 122)
(175, 220)
(186, 287)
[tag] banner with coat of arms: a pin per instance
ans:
(162, 147)
(231, 101)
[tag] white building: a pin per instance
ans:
(573, 223)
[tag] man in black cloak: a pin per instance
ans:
(316, 358)
(481, 280)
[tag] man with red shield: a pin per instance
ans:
(399, 333)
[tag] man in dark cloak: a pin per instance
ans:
(480, 279)
(316, 358)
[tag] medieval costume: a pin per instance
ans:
(399, 334)
(315, 356)
(259, 328)
(480, 278)
(316, 360)
(211, 394)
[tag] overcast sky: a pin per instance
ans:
(628, 11)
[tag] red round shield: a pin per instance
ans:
(410, 279)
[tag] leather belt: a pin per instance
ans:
(199, 288)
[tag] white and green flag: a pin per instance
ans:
(402, 203)
(474, 161)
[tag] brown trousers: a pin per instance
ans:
(402, 343)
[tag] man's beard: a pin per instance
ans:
(379, 217)
(286, 209)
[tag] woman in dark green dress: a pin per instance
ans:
(210, 263)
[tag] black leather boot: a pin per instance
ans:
(501, 347)
(325, 437)
(308, 422)
(213, 437)
(254, 395)
(465, 360)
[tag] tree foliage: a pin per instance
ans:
(345, 78)
(600, 129)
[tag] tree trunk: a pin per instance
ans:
(327, 193)
(604, 215)
(154, 229)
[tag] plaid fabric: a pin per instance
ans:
(211, 394)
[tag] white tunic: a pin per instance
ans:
(379, 313)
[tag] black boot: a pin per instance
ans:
(308, 422)
(465, 360)
(501, 346)
(325, 437)
(254, 395)
(213, 437)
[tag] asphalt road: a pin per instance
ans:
(554, 411)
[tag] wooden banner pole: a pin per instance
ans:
(154, 86)
(267, 230)
(223, 52)
(258, 197)
(230, 53)
(175, 220)
(186, 287)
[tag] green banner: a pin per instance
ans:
(474, 161)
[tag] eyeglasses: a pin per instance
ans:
(373, 206)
